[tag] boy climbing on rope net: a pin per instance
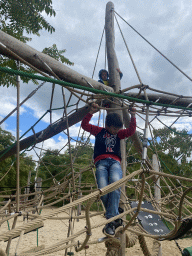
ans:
(107, 159)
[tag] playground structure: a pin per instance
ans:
(172, 206)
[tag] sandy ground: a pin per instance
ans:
(55, 230)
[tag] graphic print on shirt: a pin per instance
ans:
(110, 141)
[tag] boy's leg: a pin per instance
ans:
(109, 171)
(102, 181)
(102, 178)
(115, 174)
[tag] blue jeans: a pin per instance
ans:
(108, 171)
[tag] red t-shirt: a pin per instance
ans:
(109, 146)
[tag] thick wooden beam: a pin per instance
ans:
(10, 45)
(47, 133)
(177, 100)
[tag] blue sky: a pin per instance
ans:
(79, 25)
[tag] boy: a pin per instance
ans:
(104, 76)
(107, 158)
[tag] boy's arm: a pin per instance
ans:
(124, 133)
(93, 129)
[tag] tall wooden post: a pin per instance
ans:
(114, 81)
(157, 190)
(18, 143)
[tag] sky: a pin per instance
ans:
(78, 28)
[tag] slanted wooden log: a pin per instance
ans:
(37, 58)
(47, 133)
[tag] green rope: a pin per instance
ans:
(8, 225)
(63, 83)
(37, 237)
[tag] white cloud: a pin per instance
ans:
(9, 101)
(79, 24)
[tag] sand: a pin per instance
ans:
(55, 230)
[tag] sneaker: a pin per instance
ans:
(120, 210)
(109, 229)
(117, 223)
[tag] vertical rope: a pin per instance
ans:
(98, 52)
(68, 135)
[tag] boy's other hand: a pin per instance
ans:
(132, 111)
(94, 108)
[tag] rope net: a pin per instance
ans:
(157, 171)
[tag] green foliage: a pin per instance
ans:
(174, 142)
(19, 16)
(57, 54)
(8, 166)
(174, 150)
(53, 167)
(133, 158)
(7, 79)
(83, 158)
(6, 139)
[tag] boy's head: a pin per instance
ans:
(103, 74)
(113, 123)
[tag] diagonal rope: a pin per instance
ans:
(155, 48)
(129, 52)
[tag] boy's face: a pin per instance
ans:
(104, 75)
(112, 129)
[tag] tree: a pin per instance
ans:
(174, 142)
(173, 148)
(53, 167)
(19, 17)
(8, 166)
(57, 54)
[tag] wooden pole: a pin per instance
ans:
(157, 189)
(17, 162)
(114, 81)
(18, 143)
(13, 48)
